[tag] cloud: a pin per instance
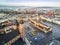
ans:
(53, 4)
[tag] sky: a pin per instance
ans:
(34, 3)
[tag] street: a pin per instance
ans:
(42, 37)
